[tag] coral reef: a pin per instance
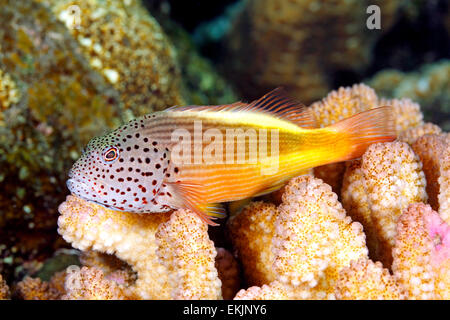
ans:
(60, 85)
(366, 280)
(428, 86)
(378, 188)
(281, 42)
(124, 43)
(422, 253)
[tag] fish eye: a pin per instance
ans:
(110, 154)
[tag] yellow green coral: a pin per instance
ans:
(128, 47)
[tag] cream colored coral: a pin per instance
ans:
(444, 185)
(355, 201)
(90, 284)
(407, 113)
(391, 179)
(185, 249)
(313, 238)
(412, 134)
(273, 291)
(251, 232)
(422, 253)
(431, 150)
(228, 269)
(366, 280)
(131, 237)
(4, 289)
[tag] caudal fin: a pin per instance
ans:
(363, 129)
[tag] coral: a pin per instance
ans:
(172, 257)
(228, 269)
(297, 249)
(130, 237)
(4, 289)
(389, 179)
(444, 185)
(431, 150)
(35, 289)
(281, 42)
(412, 134)
(8, 91)
(91, 284)
(428, 86)
(273, 291)
(422, 253)
(124, 43)
(185, 249)
(366, 280)
(251, 232)
(407, 113)
(314, 238)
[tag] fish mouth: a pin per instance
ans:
(76, 186)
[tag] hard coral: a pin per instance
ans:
(185, 250)
(273, 291)
(128, 47)
(431, 150)
(9, 93)
(4, 289)
(366, 280)
(314, 238)
(35, 289)
(412, 134)
(428, 86)
(444, 185)
(281, 42)
(91, 284)
(173, 257)
(307, 240)
(228, 270)
(130, 237)
(379, 188)
(422, 253)
(251, 232)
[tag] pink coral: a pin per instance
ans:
(422, 253)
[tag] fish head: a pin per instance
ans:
(122, 170)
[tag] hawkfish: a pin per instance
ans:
(196, 157)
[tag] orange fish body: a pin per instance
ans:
(211, 154)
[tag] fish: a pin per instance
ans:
(197, 157)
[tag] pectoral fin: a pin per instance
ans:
(192, 197)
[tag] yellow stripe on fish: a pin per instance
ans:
(197, 156)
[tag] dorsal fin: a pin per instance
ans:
(275, 103)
